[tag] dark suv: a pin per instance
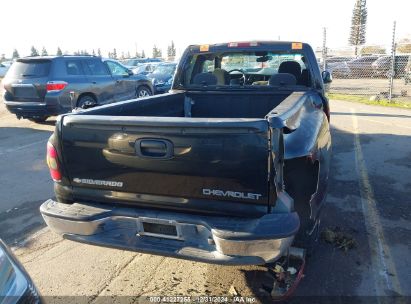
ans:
(39, 87)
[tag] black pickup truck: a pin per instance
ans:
(228, 168)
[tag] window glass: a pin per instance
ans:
(139, 69)
(95, 67)
(257, 67)
(30, 68)
(116, 69)
(165, 69)
(73, 67)
(208, 66)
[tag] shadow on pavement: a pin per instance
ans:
(23, 181)
(21, 222)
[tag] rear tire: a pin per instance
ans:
(143, 91)
(86, 102)
(38, 119)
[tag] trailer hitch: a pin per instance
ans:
(286, 273)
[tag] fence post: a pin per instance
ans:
(324, 48)
(392, 68)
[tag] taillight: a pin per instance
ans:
(242, 44)
(53, 163)
(56, 85)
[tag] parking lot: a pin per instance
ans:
(368, 197)
(371, 87)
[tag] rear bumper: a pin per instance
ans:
(50, 106)
(210, 239)
(30, 109)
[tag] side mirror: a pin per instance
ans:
(327, 78)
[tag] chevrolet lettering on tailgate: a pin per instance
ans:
(212, 192)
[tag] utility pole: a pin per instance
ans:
(392, 69)
(324, 55)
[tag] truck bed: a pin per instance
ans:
(198, 105)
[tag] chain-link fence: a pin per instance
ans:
(374, 72)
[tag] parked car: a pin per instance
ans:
(15, 284)
(3, 69)
(334, 61)
(382, 66)
(39, 87)
(145, 68)
(340, 70)
(135, 62)
(362, 67)
(162, 77)
(206, 172)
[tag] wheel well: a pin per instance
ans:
(86, 94)
(301, 177)
(301, 182)
(145, 86)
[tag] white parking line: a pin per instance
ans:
(383, 267)
(10, 150)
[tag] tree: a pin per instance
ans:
(44, 52)
(358, 24)
(99, 52)
(171, 50)
(59, 52)
(373, 49)
(93, 53)
(404, 46)
(143, 55)
(15, 54)
(156, 52)
(34, 51)
(114, 54)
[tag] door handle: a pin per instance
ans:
(94, 82)
(154, 148)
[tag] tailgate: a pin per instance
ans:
(26, 80)
(180, 159)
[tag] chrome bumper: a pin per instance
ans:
(210, 239)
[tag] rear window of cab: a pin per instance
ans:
(255, 67)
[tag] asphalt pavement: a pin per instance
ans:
(369, 198)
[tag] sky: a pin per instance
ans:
(128, 25)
